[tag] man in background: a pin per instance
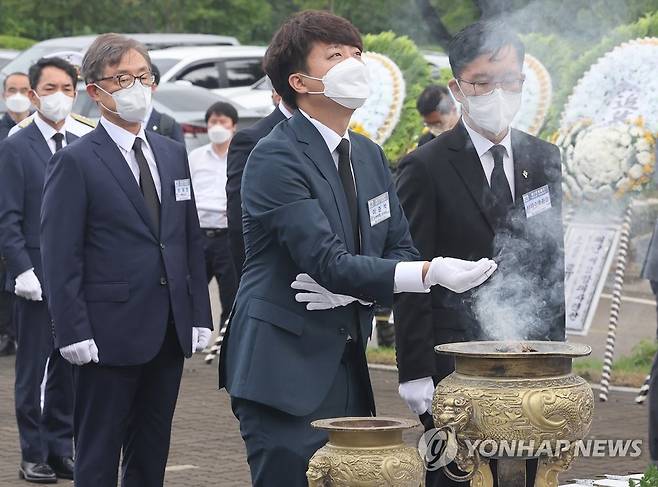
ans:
(208, 170)
(238, 152)
(15, 88)
(159, 122)
(46, 434)
(438, 110)
(14, 93)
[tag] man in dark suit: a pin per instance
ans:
(319, 209)
(46, 435)
(242, 144)
(439, 112)
(124, 272)
(15, 88)
(481, 190)
(161, 123)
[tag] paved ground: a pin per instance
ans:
(207, 449)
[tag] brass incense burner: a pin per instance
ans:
(365, 452)
(522, 396)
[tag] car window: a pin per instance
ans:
(203, 75)
(242, 72)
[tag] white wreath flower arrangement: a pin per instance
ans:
(603, 161)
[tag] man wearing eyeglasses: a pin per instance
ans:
(124, 272)
(479, 190)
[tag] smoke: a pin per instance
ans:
(524, 299)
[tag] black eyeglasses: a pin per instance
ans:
(126, 80)
(485, 87)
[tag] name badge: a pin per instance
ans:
(537, 201)
(183, 190)
(379, 209)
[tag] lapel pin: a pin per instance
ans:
(155, 127)
(525, 174)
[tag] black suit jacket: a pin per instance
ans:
(447, 200)
(173, 130)
(241, 146)
(6, 123)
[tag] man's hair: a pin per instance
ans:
(222, 108)
(15, 73)
(156, 73)
(35, 71)
(107, 50)
(483, 37)
(291, 44)
(434, 98)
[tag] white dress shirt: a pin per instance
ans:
(48, 132)
(125, 141)
(483, 148)
(408, 275)
(208, 171)
(284, 109)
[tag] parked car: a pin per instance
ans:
(186, 104)
(228, 71)
(80, 43)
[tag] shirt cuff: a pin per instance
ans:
(409, 278)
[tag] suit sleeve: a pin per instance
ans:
(276, 194)
(399, 245)
(238, 152)
(63, 224)
(177, 133)
(12, 197)
(195, 260)
(414, 334)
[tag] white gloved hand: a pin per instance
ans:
(200, 338)
(319, 298)
(80, 353)
(418, 394)
(459, 275)
(28, 286)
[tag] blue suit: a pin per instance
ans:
(23, 160)
(137, 294)
(169, 128)
(283, 365)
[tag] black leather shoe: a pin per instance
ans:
(7, 346)
(62, 466)
(38, 473)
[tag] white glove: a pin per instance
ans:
(28, 286)
(417, 394)
(318, 297)
(80, 353)
(459, 275)
(200, 338)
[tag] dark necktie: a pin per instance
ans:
(499, 184)
(347, 179)
(147, 185)
(59, 140)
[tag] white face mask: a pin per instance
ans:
(346, 83)
(494, 111)
(132, 103)
(18, 103)
(218, 134)
(55, 107)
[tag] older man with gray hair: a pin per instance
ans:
(124, 273)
